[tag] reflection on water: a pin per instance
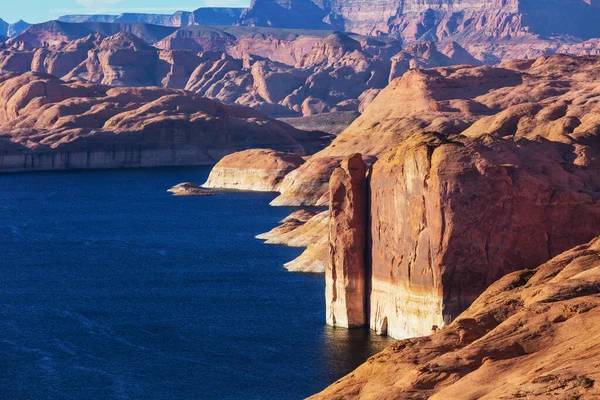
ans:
(346, 349)
(113, 289)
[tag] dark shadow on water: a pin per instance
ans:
(346, 349)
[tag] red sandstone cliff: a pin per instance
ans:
(532, 334)
(51, 124)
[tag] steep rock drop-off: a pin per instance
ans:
(451, 216)
(50, 124)
(532, 334)
(253, 170)
(346, 273)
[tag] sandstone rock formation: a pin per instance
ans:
(53, 34)
(313, 260)
(299, 231)
(189, 189)
(469, 187)
(492, 29)
(451, 216)
(280, 73)
(532, 334)
(202, 16)
(346, 275)
(50, 124)
(253, 170)
(303, 229)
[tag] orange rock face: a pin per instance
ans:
(253, 170)
(480, 171)
(532, 334)
(346, 275)
(451, 216)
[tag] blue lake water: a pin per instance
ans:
(111, 288)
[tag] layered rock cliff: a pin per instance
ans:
(202, 16)
(50, 124)
(415, 20)
(346, 274)
(253, 170)
(469, 187)
(277, 72)
(532, 334)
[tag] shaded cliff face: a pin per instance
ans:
(346, 274)
(451, 216)
(491, 30)
(201, 16)
(50, 124)
(412, 20)
(533, 333)
(268, 169)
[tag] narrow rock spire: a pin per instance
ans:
(345, 273)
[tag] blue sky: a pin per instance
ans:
(34, 11)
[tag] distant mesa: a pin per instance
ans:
(202, 16)
(11, 30)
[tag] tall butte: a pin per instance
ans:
(346, 274)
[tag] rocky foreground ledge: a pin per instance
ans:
(532, 334)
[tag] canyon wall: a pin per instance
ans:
(413, 20)
(532, 334)
(466, 191)
(51, 124)
(253, 170)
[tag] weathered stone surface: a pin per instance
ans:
(297, 233)
(532, 334)
(253, 170)
(281, 73)
(308, 185)
(521, 22)
(313, 260)
(61, 125)
(449, 217)
(481, 171)
(346, 275)
(189, 189)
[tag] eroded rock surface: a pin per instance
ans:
(532, 334)
(51, 124)
(189, 189)
(346, 275)
(253, 170)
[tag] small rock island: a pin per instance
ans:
(190, 189)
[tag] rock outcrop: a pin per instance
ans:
(189, 189)
(50, 124)
(303, 229)
(475, 186)
(532, 334)
(493, 28)
(221, 16)
(280, 73)
(253, 170)
(346, 274)
(451, 216)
